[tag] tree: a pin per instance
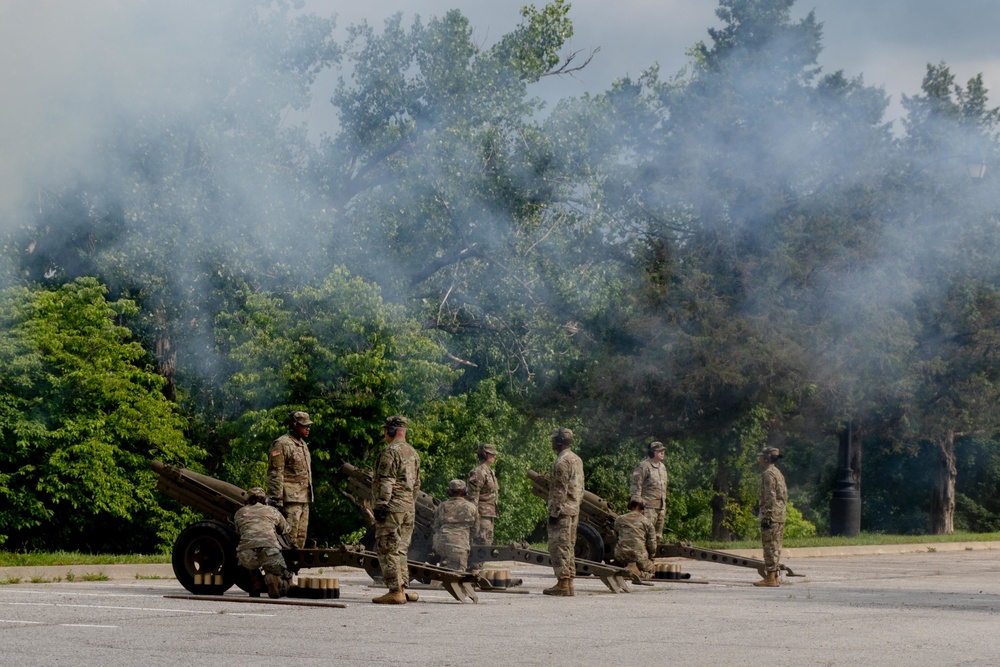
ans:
(82, 416)
(952, 258)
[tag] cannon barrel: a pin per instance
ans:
(212, 497)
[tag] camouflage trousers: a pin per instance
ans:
(297, 516)
(641, 559)
(392, 542)
(562, 545)
(657, 518)
(484, 535)
(454, 557)
(268, 559)
(771, 540)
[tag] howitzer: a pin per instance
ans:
(207, 549)
(596, 529)
(359, 491)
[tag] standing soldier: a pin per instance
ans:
(773, 497)
(394, 488)
(565, 496)
(289, 476)
(454, 524)
(259, 526)
(649, 486)
(636, 545)
(483, 490)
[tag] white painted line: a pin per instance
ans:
(85, 625)
(101, 606)
(4, 620)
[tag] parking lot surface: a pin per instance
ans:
(924, 608)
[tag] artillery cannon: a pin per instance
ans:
(359, 491)
(595, 536)
(206, 550)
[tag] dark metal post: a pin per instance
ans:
(845, 506)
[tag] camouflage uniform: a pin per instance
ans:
(773, 497)
(636, 542)
(649, 486)
(258, 526)
(565, 496)
(454, 522)
(483, 489)
(394, 487)
(289, 479)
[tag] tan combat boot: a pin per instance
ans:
(392, 597)
(563, 588)
(410, 595)
(770, 580)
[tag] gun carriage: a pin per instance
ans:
(206, 550)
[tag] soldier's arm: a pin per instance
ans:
(635, 485)
(473, 487)
(281, 525)
(383, 480)
(557, 489)
(650, 539)
(767, 497)
(275, 471)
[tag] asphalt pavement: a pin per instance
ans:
(916, 605)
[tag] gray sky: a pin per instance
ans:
(888, 41)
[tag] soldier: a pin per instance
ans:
(289, 476)
(259, 527)
(565, 496)
(636, 545)
(454, 524)
(773, 497)
(482, 493)
(649, 486)
(394, 489)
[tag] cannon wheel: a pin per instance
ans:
(206, 547)
(589, 543)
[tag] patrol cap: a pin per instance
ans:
(487, 448)
(396, 421)
(562, 436)
(657, 446)
(456, 486)
(771, 454)
(301, 418)
(257, 492)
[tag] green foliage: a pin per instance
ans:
(81, 417)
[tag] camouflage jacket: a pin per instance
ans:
(649, 484)
(566, 487)
(289, 470)
(773, 495)
(397, 477)
(483, 489)
(635, 533)
(454, 521)
(259, 526)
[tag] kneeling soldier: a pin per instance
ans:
(455, 521)
(636, 545)
(259, 526)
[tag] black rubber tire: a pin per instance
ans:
(206, 546)
(589, 543)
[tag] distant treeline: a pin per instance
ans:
(744, 253)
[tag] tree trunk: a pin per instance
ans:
(722, 487)
(166, 358)
(943, 496)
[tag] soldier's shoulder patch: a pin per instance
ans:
(275, 452)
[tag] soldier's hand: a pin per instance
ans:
(275, 502)
(765, 523)
(380, 514)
